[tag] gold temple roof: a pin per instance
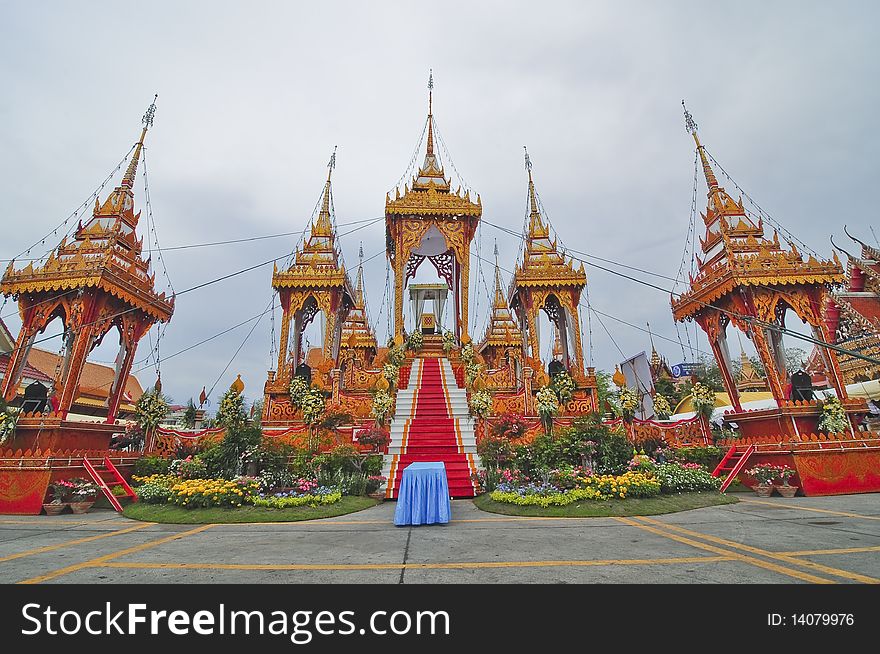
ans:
(542, 264)
(736, 252)
(430, 193)
(104, 253)
(317, 263)
(356, 330)
(502, 330)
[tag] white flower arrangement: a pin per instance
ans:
(468, 354)
(8, 421)
(833, 418)
(391, 373)
(230, 413)
(564, 386)
(312, 406)
(481, 404)
(662, 408)
(415, 341)
(448, 341)
(382, 403)
(396, 355)
(298, 389)
(150, 409)
(547, 402)
(471, 372)
(703, 399)
(629, 402)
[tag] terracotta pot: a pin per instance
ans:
(763, 490)
(81, 507)
(54, 509)
(787, 491)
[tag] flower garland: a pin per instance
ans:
(703, 399)
(230, 413)
(468, 354)
(481, 404)
(448, 341)
(391, 373)
(150, 409)
(833, 417)
(415, 341)
(564, 386)
(382, 402)
(662, 407)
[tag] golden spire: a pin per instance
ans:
(322, 227)
(359, 289)
(128, 178)
(536, 225)
(500, 301)
(430, 151)
(691, 127)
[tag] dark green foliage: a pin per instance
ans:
(708, 457)
(150, 465)
(224, 459)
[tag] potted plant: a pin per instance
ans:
(375, 437)
(82, 494)
(58, 490)
(785, 473)
(765, 474)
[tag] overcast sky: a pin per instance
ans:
(253, 96)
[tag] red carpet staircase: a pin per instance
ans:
(432, 423)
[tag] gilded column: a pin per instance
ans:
(282, 346)
(578, 345)
(465, 286)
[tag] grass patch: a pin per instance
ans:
(170, 513)
(610, 508)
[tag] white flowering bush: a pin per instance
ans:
(298, 389)
(481, 404)
(548, 407)
(662, 408)
(833, 418)
(382, 403)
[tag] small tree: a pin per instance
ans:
(190, 415)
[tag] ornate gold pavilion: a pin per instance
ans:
(750, 281)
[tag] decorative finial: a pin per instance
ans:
(496, 250)
(528, 161)
(361, 252)
(689, 123)
(332, 163)
(147, 120)
(430, 90)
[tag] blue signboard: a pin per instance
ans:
(685, 369)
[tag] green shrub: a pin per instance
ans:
(613, 454)
(675, 478)
(156, 490)
(304, 500)
(706, 456)
(224, 459)
(372, 465)
(150, 465)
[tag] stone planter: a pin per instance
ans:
(763, 490)
(787, 491)
(54, 509)
(81, 507)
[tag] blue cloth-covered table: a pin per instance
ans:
(423, 498)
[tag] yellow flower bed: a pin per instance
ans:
(553, 499)
(201, 493)
(629, 484)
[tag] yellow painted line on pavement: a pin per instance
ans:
(797, 574)
(843, 550)
(109, 557)
(818, 567)
(414, 566)
(845, 514)
(78, 541)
